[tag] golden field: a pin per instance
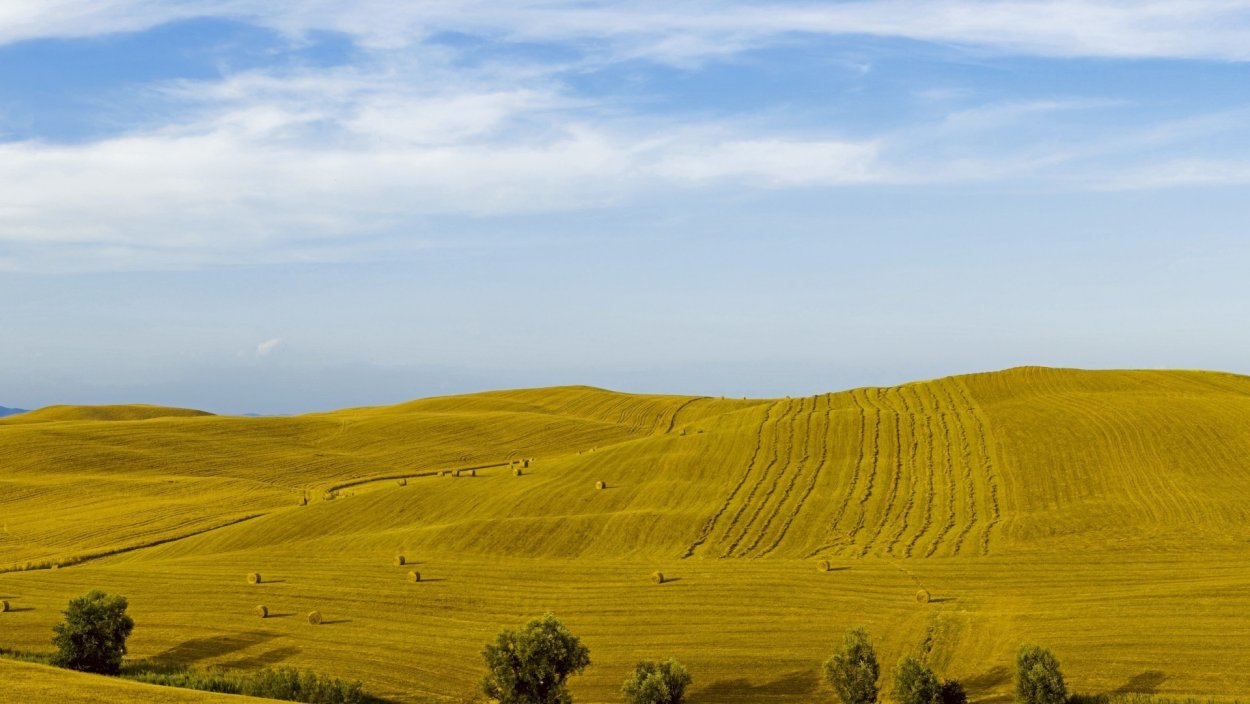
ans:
(1105, 515)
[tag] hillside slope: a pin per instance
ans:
(1101, 513)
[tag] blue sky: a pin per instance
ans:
(276, 207)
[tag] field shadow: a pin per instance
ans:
(942, 600)
(281, 615)
(432, 579)
(1146, 683)
(273, 581)
(990, 679)
(268, 658)
(198, 649)
(19, 609)
(803, 683)
(670, 580)
(837, 569)
(331, 623)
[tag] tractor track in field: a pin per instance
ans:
(710, 525)
(788, 429)
(965, 453)
(987, 463)
(930, 472)
(952, 485)
(811, 484)
(805, 425)
(913, 455)
(672, 421)
(891, 496)
(874, 460)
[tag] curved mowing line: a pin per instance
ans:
(794, 476)
(672, 422)
(788, 418)
(892, 493)
(913, 476)
(966, 454)
(101, 554)
(952, 487)
(811, 485)
(991, 479)
(710, 525)
(871, 479)
(855, 469)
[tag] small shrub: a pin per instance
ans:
(532, 666)
(853, 671)
(92, 638)
(657, 683)
(1038, 679)
(285, 683)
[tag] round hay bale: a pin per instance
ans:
(403, 481)
(414, 576)
(923, 596)
(823, 566)
(303, 501)
(472, 472)
(657, 577)
(262, 611)
(527, 462)
(314, 618)
(4, 606)
(400, 561)
(601, 485)
(254, 578)
(516, 472)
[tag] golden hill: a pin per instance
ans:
(1104, 513)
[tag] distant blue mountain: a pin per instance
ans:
(10, 411)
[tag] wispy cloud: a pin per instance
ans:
(303, 164)
(1208, 29)
(267, 347)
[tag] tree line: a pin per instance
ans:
(532, 665)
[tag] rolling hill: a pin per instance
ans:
(1101, 513)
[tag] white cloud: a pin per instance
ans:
(267, 347)
(1206, 29)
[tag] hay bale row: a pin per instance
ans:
(254, 578)
(262, 611)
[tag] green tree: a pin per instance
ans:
(915, 684)
(532, 666)
(853, 672)
(1038, 679)
(656, 682)
(92, 638)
